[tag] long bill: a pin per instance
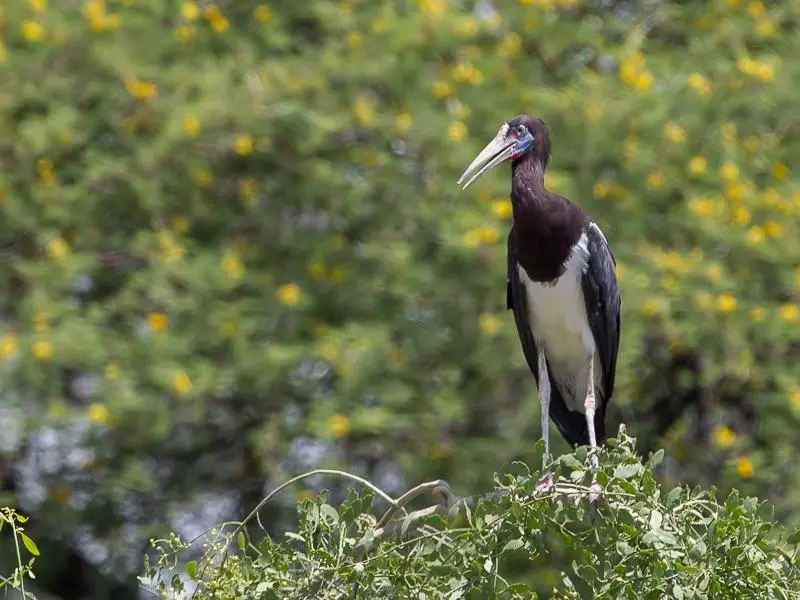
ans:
(495, 152)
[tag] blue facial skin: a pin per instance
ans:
(524, 142)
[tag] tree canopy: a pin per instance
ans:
(233, 249)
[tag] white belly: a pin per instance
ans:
(557, 317)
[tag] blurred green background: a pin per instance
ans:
(232, 250)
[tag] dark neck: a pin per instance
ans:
(546, 225)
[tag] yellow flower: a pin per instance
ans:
(168, 247)
(780, 171)
(202, 178)
(402, 122)
(466, 26)
(697, 165)
(702, 207)
(216, 19)
(317, 270)
(98, 413)
(442, 89)
(32, 31)
(112, 371)
(501, 208)
(651, 308)
(741, 216)
(433, 8)
(181, 383)
(190, 11)
(289, 294)
(729, 172)
(379, 24)
(601, 189)
(764, 72)
(714, 273)
(724, 436)
(755, 235)
(790, 313)
(744, 467)
(364, 111)
(703, 300)
(757, 314)
(191, 125)
(794, 396)
(57, 249)
(248, 188)
(488, 323)
(42, 350)
(353, 40)
(656, 179)
(765, 28)
(674, 132)
(180, 225)
(184, 33)
(303, 495)
(243, 145)
(773, 229)
(699, 84)
(756, 9)
(644, 81)
(456, 131)
(726, 303)
(263, 14)
(157, 321)
(8, 345)
(232, 266)
(339, 426)
(141, 90)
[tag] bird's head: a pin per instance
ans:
(517, 138)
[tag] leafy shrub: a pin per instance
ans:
(641, 541)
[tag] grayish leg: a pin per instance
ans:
(544, 401)
(589, 407)
(546, 482)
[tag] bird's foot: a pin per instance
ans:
(593, 453)
(545, 484)
(595, 493)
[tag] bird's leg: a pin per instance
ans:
(546, 482)
(589, 409)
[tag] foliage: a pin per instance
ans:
(12, 521)
(233, 248)
(641, 541)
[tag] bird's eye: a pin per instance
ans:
(520, 131)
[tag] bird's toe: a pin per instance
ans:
(545, 484)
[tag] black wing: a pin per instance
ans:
(572, 425)
(601, 294)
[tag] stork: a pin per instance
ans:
(562, 289)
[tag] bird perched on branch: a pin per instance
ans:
(561, 287)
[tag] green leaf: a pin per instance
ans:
(794, 537)
(673, 496)
(29, 544)
(626, 471)
(329, 512)
(191, 568)
(656, 459)
(512, 545)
